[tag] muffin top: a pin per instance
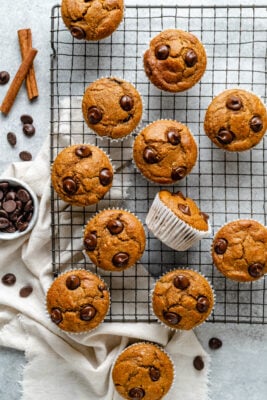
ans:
(236, 120)
(82, 174)
(112, 107)
(92, 19)
(185, 209)
(175, 60)
(182, 299)
(114, 239)
(239, 250)
(165, 151)
(77, 301)
(143, 371)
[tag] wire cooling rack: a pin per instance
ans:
(226, 186)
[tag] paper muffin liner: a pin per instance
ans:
(180, 329)
(160, 183)
(82, 332)
(171, 230)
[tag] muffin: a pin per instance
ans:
(236, 120)
(239, 250)
(165, 151)
(176, 220)
(92, 19)
(114, 239)
(112, 107)
(77, 301)
(175, 60)
(143, 371)
(82, 174)
(182, 299)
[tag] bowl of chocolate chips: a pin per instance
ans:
(18, 208)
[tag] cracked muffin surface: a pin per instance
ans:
(77, 301)
(112, 107)
(182, 299)
(114, 239)
(143, 371)
(239, 250)
(165, 151)
(175, 60)
(236, 120)
(92, 19)
(82, 174)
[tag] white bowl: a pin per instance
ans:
(17, 182)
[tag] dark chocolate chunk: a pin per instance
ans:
(205, 216)
(126, 103)
(28, 130)
(184, 208)
(25, 291)
(215, 343)
(190, 58)
(83, 151)
(150, 155)
(73, 282)
(225, 136)
(178, 173)
(12, 138)
(256, 270)
(90, 241)
(105, 176)
(94, 115)
(87, 313)
(181, 282)
(120, 259)
(174, 137)
(26, 119)
(256, 124)
(56, 315)
(234, 103)
(4, 77)
(220, 246)
(202, 304)
(162, 52)
(136, 393)
(25, 155)
(69, 186)
(77, 33)
(198, 363)
(9, 279)
(171, 317)
(115, 226)
(154, 374)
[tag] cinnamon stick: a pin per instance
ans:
(17, 81)
(25, 42)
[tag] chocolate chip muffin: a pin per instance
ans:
(165, 151)
(92, 19)
(77, 301)
(114, 239)
(176, 220)
(112, 107)
(236, 120)
(182, 299)
(175, 60)
(82, 174)
(143, 371)
(239, 250)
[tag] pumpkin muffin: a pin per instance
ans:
(143, 371)
(114, 239)
(82, 174)
(182, 299)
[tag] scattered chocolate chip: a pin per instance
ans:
(256, 270)
(73, 282)
(154, 374)
(184, 208)
(90, 241)
(87, 313)
(150, 155)
(25, 155)
(9, 206)
(26, 119)
(105, 176)
(25, 291)
(220, 246)
(102, 287)
(172, 317)
(202, 304)
(256, 124)
(204, 216)
(12, 139)
(77, 33)
(215, 343)
(120, 259)
(181, 282)
(198, 363)
(136, 393)
(94, 115)
(178, 173)
(4, 223)
(83, 151)
(234, 103)
(191, 58)
(56, 315)
(174, 137)
(115, 226)
(23, 195)
(162, 52)
(69, 186)
(225, 136)
(9, 279)
(28, 130)
(126, 103)
(4, 77)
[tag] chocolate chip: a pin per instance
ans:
(204, 216)
(73, 282)
(28, 206)
(202, 304)
(25, 155)
(105, 176)
(178, 173)
(126, 103)
(12, 139)
(11, 195)
(171, 317)
(102, 287)
(26, 119)
(120, 259)
(87, 313)
(215, 343)
(4, 223)
(198, 363)
(150, 155)
(180, 194)
(256, 124)
(225, 136)
(174, 137)
(77, 33)
(69, 186)
(28, 130)
(115, 226)
(154, 374)
(234, 103)
(256, 270)
(181, 282)
(9, 279)
(22, 226)
(3, 214)
(4, 77)
(162, 52)
(94, 115)
(191, 58)
(56, 316)
(220, 246)
(9, 206)
(136, 393)
(4, 186)
(23, 195)
(83, 151)
(90, 241)
(185, 209)
(25, 291)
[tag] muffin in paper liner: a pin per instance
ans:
(143, 370)
(112, 108)
(239, 250)
(182, 299)
(169, 227)
(114, 239)
(82, 174)
(77, 301)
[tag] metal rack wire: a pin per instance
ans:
(227, 186)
